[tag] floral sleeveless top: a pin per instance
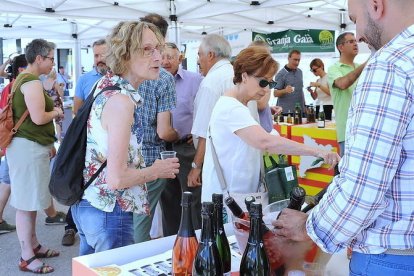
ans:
(133, 199)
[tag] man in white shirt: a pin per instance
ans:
(213, 60)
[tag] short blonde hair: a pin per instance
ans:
(124, 40)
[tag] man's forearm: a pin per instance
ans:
(346, 81)
(200, 152)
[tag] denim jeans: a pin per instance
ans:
(380, 265)
(99, 230)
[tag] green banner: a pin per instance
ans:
(310, 41)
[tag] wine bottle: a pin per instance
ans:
(321, 117)
(255, 260)
(298, 114)
(289, 118)
(315, 200)
(220, 235)
(297, 198)
(237, 212)
(207, 261)
(185, 245)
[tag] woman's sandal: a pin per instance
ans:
(42, 269)
(48, 254)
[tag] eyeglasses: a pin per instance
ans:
(168, 57)
(51, 58)
(351, 41)
(314, 69)
(149, 51)
(263, 83)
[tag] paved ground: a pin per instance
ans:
(48, 235)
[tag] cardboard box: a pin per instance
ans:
(82, 265)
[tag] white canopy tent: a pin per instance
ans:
(87, 20)
(80, 22)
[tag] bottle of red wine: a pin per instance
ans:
(185, 245)
(297, 198)
(237, 212)
(207, 261)
(220, 235)
(255, 260)
(315, 200)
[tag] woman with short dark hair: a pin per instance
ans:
(29, 153)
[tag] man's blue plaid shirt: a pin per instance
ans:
(158, 96)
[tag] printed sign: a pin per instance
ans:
(307, 41)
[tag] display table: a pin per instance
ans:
(316, 178)
(136, 258)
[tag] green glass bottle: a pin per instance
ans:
(321, 117)
(220, 235)
(207, 261)
(298, 114)
(255, 261)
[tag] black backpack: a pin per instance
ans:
(66, 181)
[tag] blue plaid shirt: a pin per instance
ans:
(370, 205)
(158, 96)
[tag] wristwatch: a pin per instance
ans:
(194, 165)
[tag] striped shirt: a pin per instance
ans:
(158, 96)
(370, 205)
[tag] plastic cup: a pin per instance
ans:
(293, 89)
(168, 154)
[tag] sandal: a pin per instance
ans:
(42, 269)
(48, 254)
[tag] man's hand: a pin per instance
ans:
(52, 152)
(194, 178)
(292, 225)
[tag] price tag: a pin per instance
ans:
(289, 174)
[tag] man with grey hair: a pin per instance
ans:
(213, 60)
(86, 81)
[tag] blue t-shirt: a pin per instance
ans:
(86, 83)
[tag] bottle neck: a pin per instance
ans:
(186, 224)
(207, 229)
(218, 219)
(255, 235)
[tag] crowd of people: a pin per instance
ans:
(145, 103)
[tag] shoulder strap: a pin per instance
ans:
(95, 175)
(219, 170)
(25, 113)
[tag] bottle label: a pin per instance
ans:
(289, 174)
(321, 124)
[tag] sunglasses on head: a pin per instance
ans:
(263, 83)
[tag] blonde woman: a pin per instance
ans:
(104, 215)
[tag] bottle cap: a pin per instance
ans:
(217, 198)
(186, 199)
(248, 201)
(207, 208)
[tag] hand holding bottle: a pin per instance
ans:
(329, 157)
(291, 224)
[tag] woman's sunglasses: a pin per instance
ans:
(263, 83)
